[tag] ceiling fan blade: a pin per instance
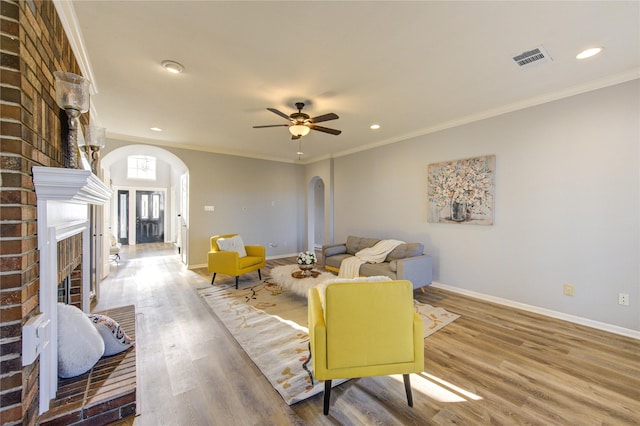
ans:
(271, 125)
(325, 117)
(325, 129)
(281, 114)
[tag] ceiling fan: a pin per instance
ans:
(301, 124)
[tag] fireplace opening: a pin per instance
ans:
(70, 271)
(64, 290)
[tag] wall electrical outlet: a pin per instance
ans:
(623, 299)
(209, 208)
(567, 290)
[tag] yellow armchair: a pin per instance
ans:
(364, 329)
(230, 262)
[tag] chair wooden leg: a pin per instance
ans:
(259, 275)
(407, 388)
(237, 282)
(213, 278)
(327, 396)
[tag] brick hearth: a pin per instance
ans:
(105, 394)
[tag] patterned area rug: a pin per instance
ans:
(270, 323)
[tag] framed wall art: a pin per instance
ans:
(462, 191)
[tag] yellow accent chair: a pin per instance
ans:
(231, 263)
(360, 329)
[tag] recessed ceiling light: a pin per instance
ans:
(587, 53)
(374, 126)
(156, 129)
(172, 67)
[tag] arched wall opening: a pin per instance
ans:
(122, 213)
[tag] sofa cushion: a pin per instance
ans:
(355, 244)
(335, 260)
(405, 250)
(372, 269)
(332, 251)
(248, 261)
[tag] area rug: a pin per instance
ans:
(271, 328)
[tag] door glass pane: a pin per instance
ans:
(144, 206)
(155, 206)
(123, 215)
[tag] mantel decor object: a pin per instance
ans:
(72, 95)
(94, 141)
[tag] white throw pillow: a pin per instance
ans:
(79, 343)
(114, 337)
(232, 244)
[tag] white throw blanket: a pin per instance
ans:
(350, 267)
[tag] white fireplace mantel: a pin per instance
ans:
(71, 185)
(62, 199)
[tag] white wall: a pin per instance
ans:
(261, 200)
(567, 204)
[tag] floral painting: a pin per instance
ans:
(462, 191)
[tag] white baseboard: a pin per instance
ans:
(542, 311)
(280, 256)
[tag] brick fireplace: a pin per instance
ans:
(63, 199)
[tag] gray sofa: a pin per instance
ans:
(405, 262)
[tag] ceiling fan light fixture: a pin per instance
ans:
(299, 130)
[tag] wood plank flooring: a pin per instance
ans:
(494, 365)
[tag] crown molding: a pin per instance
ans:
(605, 82)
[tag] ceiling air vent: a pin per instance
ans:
(532, 57)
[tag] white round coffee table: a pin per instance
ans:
(282, 275)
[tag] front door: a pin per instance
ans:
(149, 217)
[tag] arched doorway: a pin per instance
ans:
(166, 196)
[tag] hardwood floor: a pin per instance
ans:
(494, 365)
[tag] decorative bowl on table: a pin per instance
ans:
(306, 261)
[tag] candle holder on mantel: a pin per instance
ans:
(72, 95)
(94, 141)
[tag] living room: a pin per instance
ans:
(567, 205)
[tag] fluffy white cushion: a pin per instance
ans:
(232, 244)
(114, 337)
(79, 343)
